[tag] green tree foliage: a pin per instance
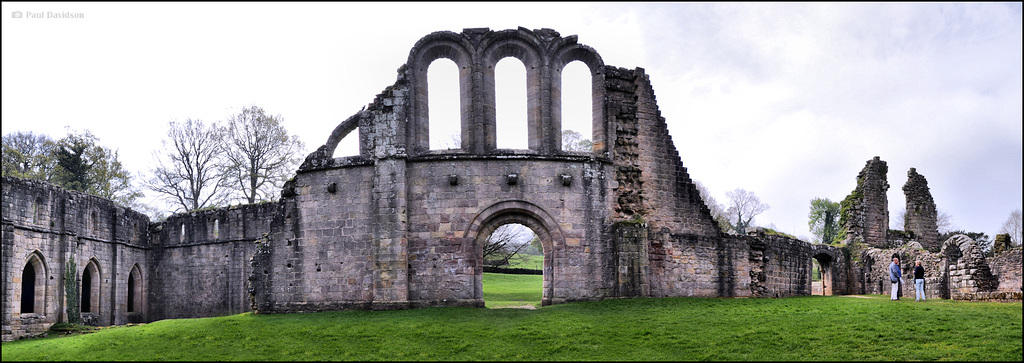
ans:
(76, 162)
(823, 220)
(27, 155)
(259, 155)
(71, 292)
(743, 207)
(574, 141)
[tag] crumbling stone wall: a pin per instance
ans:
(401, 226)
(1006, 267)
(865, 212)
(921, 216)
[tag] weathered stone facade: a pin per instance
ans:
(402, 226)
(865, 211)
(921, 216)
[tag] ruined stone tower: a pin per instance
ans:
(866, 209)
(921, 216)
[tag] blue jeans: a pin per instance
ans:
(919, 286)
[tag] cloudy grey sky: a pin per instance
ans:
(788, 101)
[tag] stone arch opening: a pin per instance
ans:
(515, 45)
(444, 114)
(90, 293)
(133, 303)
(571, 52)
(33, 285)
(825, 263)
(511, 282)
(576, 102)
(527, 214)
(510, 104)
(432, 47)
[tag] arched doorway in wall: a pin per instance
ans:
(134, 299)
(546, 228)
(513, 259)
(33, 286)
(821, 274)
(90, 294)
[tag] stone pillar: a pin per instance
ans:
(921, 216)
(865, 212)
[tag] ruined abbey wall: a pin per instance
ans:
(402, 226)
(43, 228)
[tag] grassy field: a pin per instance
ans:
(527, 261)
(798, 328)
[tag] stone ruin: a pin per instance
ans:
(954, 269)
(402, 226)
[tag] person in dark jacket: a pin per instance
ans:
(895, 276)
(919, 280)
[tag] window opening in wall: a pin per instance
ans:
(577, 107)
(443, 105)
(181, 237)
(513, 248)
(348, 146)
(28, 289)
(37, 211)
(94, 223)
(216, 228)
(511, 128)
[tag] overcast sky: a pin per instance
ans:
(788, 101)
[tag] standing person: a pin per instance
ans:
(919, 280)
(895, 276)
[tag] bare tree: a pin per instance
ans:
(743, 207)
(191, 179)
(259, 154)
(1012, 227)
(505, 242)
(716, 208)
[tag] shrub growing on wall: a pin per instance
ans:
(71, 292)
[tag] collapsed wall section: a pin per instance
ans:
(865, 212)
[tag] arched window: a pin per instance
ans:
(443, 105)
(181, 237)
(348, 146)
(216, 228)
(577, 107)
(94, 224)
(511, 126)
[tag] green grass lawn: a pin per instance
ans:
(507, 290)
(797, 328)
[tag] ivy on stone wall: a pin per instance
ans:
(71, 292)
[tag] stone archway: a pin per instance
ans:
(529, 215)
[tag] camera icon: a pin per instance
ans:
(16, 15)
